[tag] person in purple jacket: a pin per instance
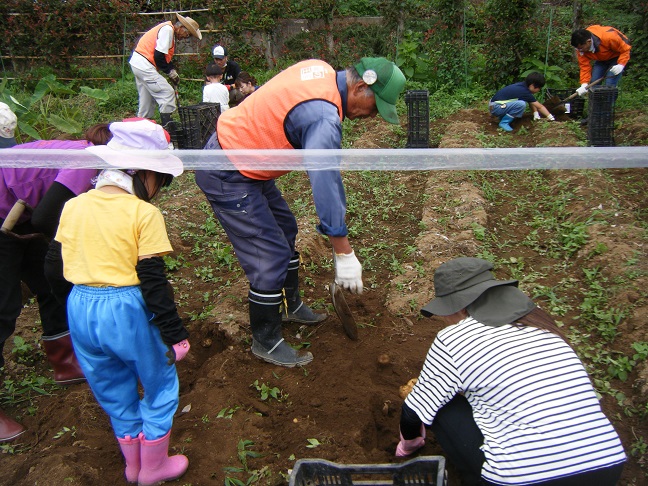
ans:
(24, 245)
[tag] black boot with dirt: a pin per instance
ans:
(267, 342)
(297, 310)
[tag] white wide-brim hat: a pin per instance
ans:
(138, 145)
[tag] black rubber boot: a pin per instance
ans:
(267, 342)
(165, 118)
(297, 310)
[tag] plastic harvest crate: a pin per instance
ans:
(575, 107)
(423, 470)
(198, 122)
(418, 117)
(600, 121)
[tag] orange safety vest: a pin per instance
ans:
(146, 44)
(258, 122)
(613, 44)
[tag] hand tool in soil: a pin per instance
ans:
(342, 309)
(12, 218)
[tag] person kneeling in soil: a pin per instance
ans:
(510, 102)
(123, 320)
(507, 398)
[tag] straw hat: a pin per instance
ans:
(191, 25)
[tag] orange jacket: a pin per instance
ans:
(146, 44)
(258, 122)
(612, 44)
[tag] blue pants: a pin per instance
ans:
(116, 346)
(600, 68)
(258, 222)
(512, 108)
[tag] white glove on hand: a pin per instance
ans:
(536, 115)
(582, 90)
(616, 69)
(173, 76)
(348, 272)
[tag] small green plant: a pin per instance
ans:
(227, 412)
(22, 350)
(244, 454)
(269, 392)
(65, 430)
(312, 443)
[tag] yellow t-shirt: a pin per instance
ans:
(102, 235)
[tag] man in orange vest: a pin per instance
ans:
(302, 107)
(154, 51)
(607, 47)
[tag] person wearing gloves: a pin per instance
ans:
(123, 320)
(302, 107)
(154, 51)
(230, 68)
(510, 102)
(38, 194)
(607, 47)
(506, 396)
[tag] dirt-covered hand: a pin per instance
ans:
(174, 77)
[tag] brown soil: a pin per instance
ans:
(348, 398)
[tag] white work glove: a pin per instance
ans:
(173, 76)
(348, 272)
(582, 90)
(616, 69)
(536, 115)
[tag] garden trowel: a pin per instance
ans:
(342, 309)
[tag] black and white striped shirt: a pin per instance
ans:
(531, 398)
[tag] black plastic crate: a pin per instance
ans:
(418, 117)
(198, 123)
(574, 107)
(421, 471)
(600, 121)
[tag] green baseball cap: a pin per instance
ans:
(386, 81)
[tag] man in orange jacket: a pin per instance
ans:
(607, 47)
(153, 52)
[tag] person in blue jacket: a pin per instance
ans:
(510, 102)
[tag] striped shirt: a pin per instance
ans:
(531, 398)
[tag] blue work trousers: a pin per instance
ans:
(600, 68)
(258, 222)
(117, 346)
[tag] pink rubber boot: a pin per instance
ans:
(131, 450)
(157, 466)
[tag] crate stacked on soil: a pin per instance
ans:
(421, 471)
(574, 107)
(600, 121)
(198, 123)
(418, 117)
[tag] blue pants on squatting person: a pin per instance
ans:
(262, 230)
(507, 111)
(117, 346)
